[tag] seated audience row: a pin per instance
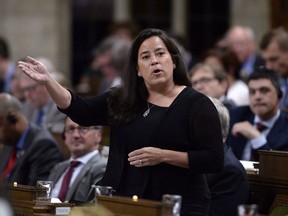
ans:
(261, 125)
(30, 153)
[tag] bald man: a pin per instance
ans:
(242, 40)
(29, 152)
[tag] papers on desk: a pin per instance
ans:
(55, 200)
(60, 210)
(251, 166)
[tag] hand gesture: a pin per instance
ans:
(246, 129)
(34, 69)
(147, 156)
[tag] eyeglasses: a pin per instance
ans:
(81, 129)
(202, 81)
(30, 89)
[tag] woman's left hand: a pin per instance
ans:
(147, 156)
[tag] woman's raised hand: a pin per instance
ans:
(34, 69)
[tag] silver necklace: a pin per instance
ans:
(146, 113)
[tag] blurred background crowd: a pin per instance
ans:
(85, 43)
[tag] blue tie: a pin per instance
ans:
(39, 117)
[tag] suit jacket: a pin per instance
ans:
(229, 188)
(257, 61)
(53, 119)
(89, 175)
(39, 154)
(277, 139)
(228, 103)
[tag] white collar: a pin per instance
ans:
(85, 158)
(268, 123)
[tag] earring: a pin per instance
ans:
(174, 66)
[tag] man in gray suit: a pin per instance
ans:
(83, 143)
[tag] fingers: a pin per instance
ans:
(135, 153)
(22, 65)
(138, 162)
(32, 60)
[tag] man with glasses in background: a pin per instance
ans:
(73, 178)
(40, 108)
(212, 82)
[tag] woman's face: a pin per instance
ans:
(155, 63)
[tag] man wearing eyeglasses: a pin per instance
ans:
(211, 82)
(40, 109)
(73, 178)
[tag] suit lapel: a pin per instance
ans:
(277, 129)
(8, 149)
(60, 170)
(28, 140)
(5, 157)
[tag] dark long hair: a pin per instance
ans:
(125, 101)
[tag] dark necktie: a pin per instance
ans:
(10, 164)
(66, 180)
(254, 155)
(260, 127)
(39, 117)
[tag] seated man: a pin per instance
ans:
(261, 125)
(212, 82)
(29, 152)
(83, 143)
(229, 188)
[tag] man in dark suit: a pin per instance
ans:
(246, 135)
(229, 188)
(29, 151)
(83, 143)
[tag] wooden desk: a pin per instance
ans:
(125, 206)
(23, 201)
(271, 181)
(264, 191)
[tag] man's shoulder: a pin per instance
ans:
(40, 133)
(282, 120)
(241, 111)
(98, 160)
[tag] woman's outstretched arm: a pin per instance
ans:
(38, 72)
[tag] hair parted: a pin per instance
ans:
(125, 101)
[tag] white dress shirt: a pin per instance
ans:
(83, 160)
